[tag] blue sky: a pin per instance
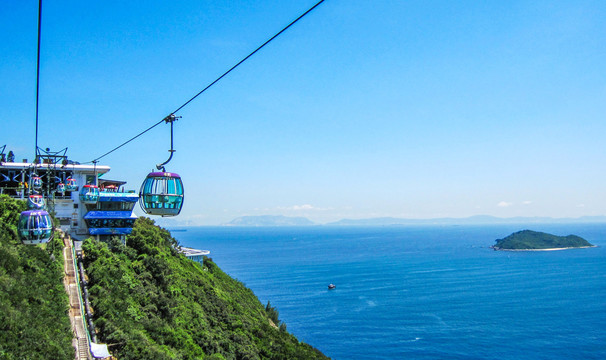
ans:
(413, 109)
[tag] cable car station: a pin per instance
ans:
(87, 206)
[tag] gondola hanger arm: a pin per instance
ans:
(169, 119)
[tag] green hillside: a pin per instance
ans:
(151, 302)
(533, 240)
(34, 321)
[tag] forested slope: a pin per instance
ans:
(34, 321)
(150, 302)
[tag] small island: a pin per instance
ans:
(528, 240)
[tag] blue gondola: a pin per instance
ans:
(162, 194)
(35, 202)
(71, 185)
(61, 187)
(89, 194)
(36, 183)
(35, 227)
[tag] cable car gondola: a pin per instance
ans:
(162, 192)
(35, 202)
(36, 183)
(35, 227)
(70, 184)
(61, 188)
(89, 194)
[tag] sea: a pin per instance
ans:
(422, 292)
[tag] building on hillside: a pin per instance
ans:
(195, 254)
(84, 204)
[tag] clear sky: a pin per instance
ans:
(412, 109)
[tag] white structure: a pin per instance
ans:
(195, 254)
(110, 215)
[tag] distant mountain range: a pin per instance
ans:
(270, 220)
(472, 220)
(279, 220)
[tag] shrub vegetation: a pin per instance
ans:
(34, 321)
(151, 302)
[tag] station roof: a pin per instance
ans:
(193, 252)
(100, 169)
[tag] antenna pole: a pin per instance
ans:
(38, 72)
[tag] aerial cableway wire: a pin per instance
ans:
(38, 70)
(165, 119)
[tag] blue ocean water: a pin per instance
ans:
(433, 292)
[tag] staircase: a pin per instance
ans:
(70, 281)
